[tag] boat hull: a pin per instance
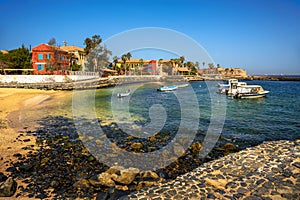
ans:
(167, 88)
(250, 96)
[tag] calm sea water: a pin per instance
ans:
(247, 121)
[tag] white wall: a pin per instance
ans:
(44, 78)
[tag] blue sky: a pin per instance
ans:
(260, 36)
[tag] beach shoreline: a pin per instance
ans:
(16, 125)
(20, 114)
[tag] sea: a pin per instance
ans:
(244, 122)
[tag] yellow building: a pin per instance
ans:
(232, 72)
(79, 55)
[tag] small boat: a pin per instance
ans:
(167, 88)
(124, 94)
(183, 85)
(250, 91)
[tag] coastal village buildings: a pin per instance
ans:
(78, 55)
(47, 59)
(221, 72)
(153, 67)
(147, 67)
(233, 72)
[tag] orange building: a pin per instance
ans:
(47, 59)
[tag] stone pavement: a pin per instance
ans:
(270, 170)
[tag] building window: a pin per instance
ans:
(66, 67)
(48, 56)
(57, 57)
(62, 57)
(40, 56)
(41, 67)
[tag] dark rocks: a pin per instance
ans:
(26, 167)
(242, 190)
(2, 177)
(112, 194)
(8, 188)
(81, 184)
(126, 176)
(296, 164)
(26, 140)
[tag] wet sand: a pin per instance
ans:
(19, 111)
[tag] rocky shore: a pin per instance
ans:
(47, 160)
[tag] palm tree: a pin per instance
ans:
(181, 60)
(174, 64)
(71, 57)
(211, 66)
(197, 65)
(124, 59)
(141, 63)
(128, 56)
(115, 59)
(160, 66)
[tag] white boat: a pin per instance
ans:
(167, 88)
(233, 87)
(230, 86)
(250, 91)
(124, 94)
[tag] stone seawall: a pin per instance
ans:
(90, 81)
(47, 82)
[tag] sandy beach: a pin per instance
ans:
(19, 111)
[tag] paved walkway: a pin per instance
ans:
(268, 171)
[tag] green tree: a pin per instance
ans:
(181, 59)
(91, 43)
(20, 58)
(128, 55)
(175, 62)
(124, 58)
(211, 67)
(52, 42)
(115, 60)
(192, 67)
(98, 55)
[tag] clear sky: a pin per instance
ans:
(260, 36)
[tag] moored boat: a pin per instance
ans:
(230, 87)
(167, 88)
(124, 94)
(250, 91)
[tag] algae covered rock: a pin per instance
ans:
(8, 188)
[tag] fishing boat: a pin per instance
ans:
(124, 94)
(250, 91)
(167, 88)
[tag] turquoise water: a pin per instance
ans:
(247, 121)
